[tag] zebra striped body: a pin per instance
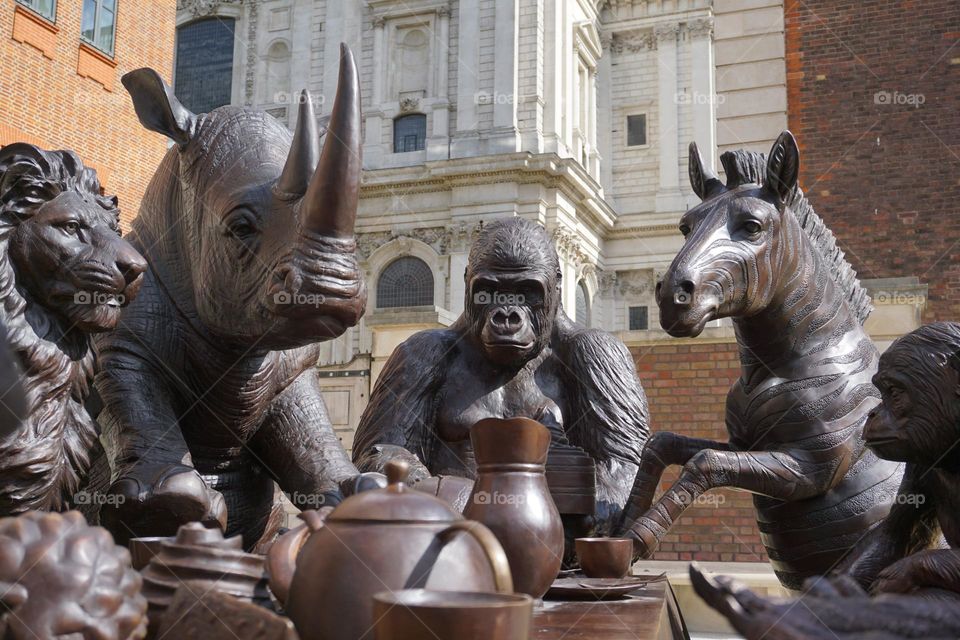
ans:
(757, 252)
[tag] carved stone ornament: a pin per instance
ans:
(701, 27)
(203, 8)
(409, 104)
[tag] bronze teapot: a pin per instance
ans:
(387, 539)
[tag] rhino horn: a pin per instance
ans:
(304, 152)
(330, 204)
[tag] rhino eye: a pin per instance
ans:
(241, 224)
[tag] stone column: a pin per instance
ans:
(594, 159)
(704, 91)
(668, 191)
(468, 70)
(438, 147)
(506, 138)
(373, 151)
(554, 54)
(605, 115)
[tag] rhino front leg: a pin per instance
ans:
(154, 488)
(296, 444)
(784, 475)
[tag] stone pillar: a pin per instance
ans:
(506, 138)
(468, 70)
(373, 151)
(604, 134)
(554, 55)
(438, 142)
(703, 105)
(594, 158)
(668, 191)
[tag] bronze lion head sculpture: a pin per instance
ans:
(63, 238)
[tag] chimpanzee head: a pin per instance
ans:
(919, 380)
(512, 290)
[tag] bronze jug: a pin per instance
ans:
(511, 497)
(393, 538)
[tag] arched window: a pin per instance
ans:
(405, 282)
(277, 85)
(204, 69)
(410, 133)
(582, 310)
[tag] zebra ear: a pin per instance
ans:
(783, 168)
(703, 181)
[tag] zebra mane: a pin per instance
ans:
(749, 167)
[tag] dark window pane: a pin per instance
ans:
(204, 64)
(637, 130)
(410, 133)
(405, 282)
(105, 29)
(97, 23)
(46, 8)
(638, 318)
(581, 310)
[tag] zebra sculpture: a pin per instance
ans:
(756, 251)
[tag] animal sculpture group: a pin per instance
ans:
(209, 313)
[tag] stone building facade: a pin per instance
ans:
(61, 83)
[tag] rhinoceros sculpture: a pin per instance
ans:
(209, 385)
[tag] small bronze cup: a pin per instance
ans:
(451, 615)
(605, 557)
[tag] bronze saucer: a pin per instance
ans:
(583, 588)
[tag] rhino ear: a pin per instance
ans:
(156, 106)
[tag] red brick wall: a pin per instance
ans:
(686, 385)
(882, 168)
(46, 102)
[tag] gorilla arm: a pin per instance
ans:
(909, 527)
(608, 414)
(400, 419)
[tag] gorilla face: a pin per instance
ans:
(918, 418)
(510, 314)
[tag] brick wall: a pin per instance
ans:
(686, 384)
(874, 98)
(47, 102)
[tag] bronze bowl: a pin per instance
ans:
(604, 557)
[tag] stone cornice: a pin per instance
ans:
(546, 169)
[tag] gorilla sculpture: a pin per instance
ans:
(513, 352)
(65, 273)
(916, 588)
(209, 387)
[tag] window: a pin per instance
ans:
(98, 24)
(582, 307)
(410, 133)
(45, 8)
(638, 318)
(405, 282)
(204, 69)
(637, 130)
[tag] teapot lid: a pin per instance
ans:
(397, 502)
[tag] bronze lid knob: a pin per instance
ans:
(397, 471)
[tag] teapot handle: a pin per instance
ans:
(491, 548)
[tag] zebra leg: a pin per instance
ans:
(779, 474)
(661, 450)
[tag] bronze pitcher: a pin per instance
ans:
(511, 497)
(387, 539)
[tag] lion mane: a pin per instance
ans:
(43, 464)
